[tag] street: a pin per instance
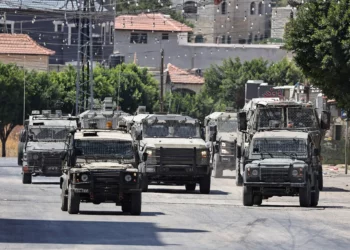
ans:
(31, 218)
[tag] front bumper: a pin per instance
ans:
(51, 171)
(227, 161)
(275, 184)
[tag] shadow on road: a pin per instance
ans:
(226, 177)
(45, 183)
(118, 213)
(179, 191)
(334, 189)
(84, 232)
(297, 206)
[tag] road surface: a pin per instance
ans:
(30, 218)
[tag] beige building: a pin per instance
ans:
(227, 21)
(280, 17)
(24, 51)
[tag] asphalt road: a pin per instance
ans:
(30, 218)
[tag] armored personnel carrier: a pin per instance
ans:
(100, 168)
(177, 154)
(279, 151)
(42, 143)
(223, 143)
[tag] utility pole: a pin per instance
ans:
(77, 83)
(91, 59)
(161, 79)
(346, 142)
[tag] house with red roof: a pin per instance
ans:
(180, 80)
(24, 51)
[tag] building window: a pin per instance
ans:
(223, 8)
(111, 32)
(338, 133)
(250, 38)
(261, 37)
(252, 8)
(190, 7)
(223, 39)
(59, 26)
(70, 26)
(256, 38)
(138, 38)
(165, 36)
(7, 27)
(260, 8)
(229, 40)
(199, 39)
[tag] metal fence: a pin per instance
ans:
(333, 152)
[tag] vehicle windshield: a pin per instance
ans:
(301, 118)
(227, 126)
(171, 129)
(279, 147)
(43, 133)
(270, 118)
(101, 150)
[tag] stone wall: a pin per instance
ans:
(280, 17)
(30, 62)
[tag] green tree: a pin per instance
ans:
(11, 101)
(319, 39)
(284, 72)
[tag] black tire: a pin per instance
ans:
(320, 178)
(248, 199)
(144, 183)
(204, 184)
(126, 204)
(257, 200)
(26, 178)
(305, 195)
(20, 153)
(217, 170)
(190, 186)
(315, 194)
(73, 202)
(239, 178)
(64, 200)
(135, 203)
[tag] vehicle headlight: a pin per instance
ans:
(295, 172)
(127, 178)
(255, 172)
(84, 177)
(35, 157)
(204, 153)
(223, 144)
(149, 152)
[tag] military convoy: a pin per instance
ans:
(177, 153)
(107, 155)
(223, 144)
(278, 151)
(42, 142)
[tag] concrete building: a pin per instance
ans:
(180, 80)
(227, 21)
(146, 34)
(24, 51)
(280, 17)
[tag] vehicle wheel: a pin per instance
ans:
(190, 186)
(135, 204)
(20, 154)
(73, 201)
(204, 184)
(64, 201)
(248, 196)
(320, 178)
(315, 194)
(239, 178)
(126, 204)
(305, 195)
(26, 178)
(144, 183)
(217, 170)
(258, 200)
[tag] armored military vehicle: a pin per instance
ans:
(105, 116)
(100, 168)
(176, 152)
(43, 142)
(264, 114)
(223, 143)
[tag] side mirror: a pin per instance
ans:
(316, 152)
(212, 132)
(138, 135)
(144, 157)
(78, 152)
(72, 131)
(325, 120)
(216, 147)
(239, 153)
(63, 155)
(242, 121)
